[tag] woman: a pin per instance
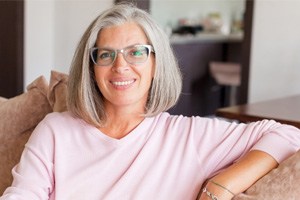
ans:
(117, 142)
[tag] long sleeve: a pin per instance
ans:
(33, 176)
(222, 143)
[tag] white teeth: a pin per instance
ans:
(121, 83)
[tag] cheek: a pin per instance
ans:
(99, 77)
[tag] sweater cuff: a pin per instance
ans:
(278, 148)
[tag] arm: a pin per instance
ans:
(241, 175)
(252, 147)
(33, 175)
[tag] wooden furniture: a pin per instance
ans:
(11, 47)
(201, 94)
(285, 110)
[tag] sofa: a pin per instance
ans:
(20, 115)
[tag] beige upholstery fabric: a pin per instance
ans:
(57, 93)
(18, 117)
(281, 183)
(2, 99)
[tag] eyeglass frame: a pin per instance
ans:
(122, 51)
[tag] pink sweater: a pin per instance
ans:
(165, 157)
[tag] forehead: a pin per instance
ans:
(122, 35)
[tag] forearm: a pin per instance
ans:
(241, 175)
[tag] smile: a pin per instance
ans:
(122, 83)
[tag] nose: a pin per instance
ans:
(120, 65)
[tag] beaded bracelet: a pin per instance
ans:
(211, 195)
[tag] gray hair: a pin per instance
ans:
(84, 97)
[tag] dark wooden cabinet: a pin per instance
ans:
(201, 95)
(11, 47)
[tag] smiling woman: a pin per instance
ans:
(116, 141)
(127, 77)
(165, 85)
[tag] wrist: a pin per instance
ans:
(222, 186)
(216, 191)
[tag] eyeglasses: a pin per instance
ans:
(136, 54)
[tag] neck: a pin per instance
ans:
(120, 122)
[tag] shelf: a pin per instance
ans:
(206, 37)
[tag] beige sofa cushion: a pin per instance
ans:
(2, 99)
(57, 94)
(18, 117)
(281, 183)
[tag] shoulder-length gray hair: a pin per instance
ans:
(85, 99)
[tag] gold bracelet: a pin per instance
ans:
(217, 184)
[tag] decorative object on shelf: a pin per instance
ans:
(213, 22)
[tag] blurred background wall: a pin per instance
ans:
(53, 29)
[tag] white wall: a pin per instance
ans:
(168, 12)
(38, 39)
(275, 60)
(52, 30)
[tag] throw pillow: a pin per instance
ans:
(2, 99)
(18, 117)
(57, 94)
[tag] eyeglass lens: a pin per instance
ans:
(134, 55)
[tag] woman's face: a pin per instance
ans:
(121, 83)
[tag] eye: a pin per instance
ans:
(138, 52)
(104, 54)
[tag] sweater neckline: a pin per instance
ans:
(139, 131)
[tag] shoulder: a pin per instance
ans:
(59, 125)
(185, 122)
(57, 122)
(57, 116)
(62, 119)
(180, 119)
